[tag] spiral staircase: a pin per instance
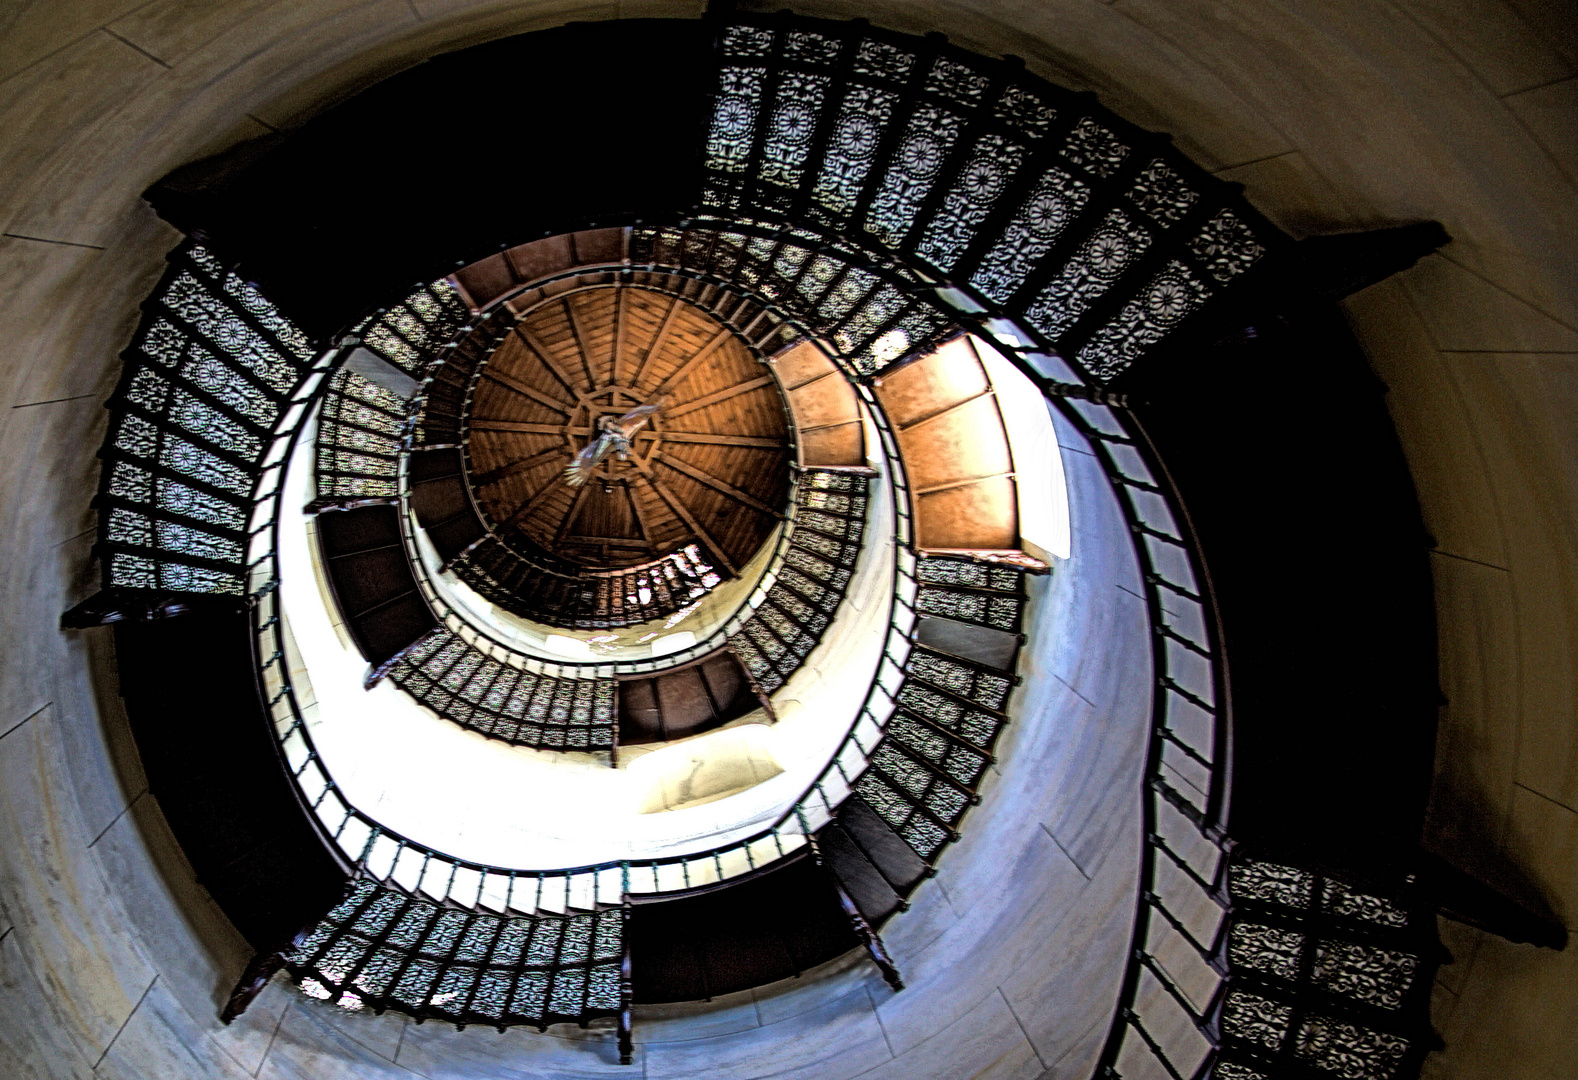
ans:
(849, 225)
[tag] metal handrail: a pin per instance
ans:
(365, 846)
(483, 638)
(1176, 581)
(566, 668)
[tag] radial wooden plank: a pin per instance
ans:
(597, 352)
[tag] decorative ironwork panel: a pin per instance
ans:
(871, 318)
(202, 387)
(1115, 246)
(957, 81)
(862, 116)
(1171, 296)
(1026, 112)
(459, 682)
(1335, 978)
(412, 331)
(1266, 949)
(1348, 1050)
(1162, 194)
(358, 445)
(1083, 156)
(779, 637)
(804, 47)
(936, 746)
(1094, 148)
(979, 593)
(793, 123)
(598, 600)
(1256, 1020)
(383, 947)
(882, 61)
(883, 306)
(748, 42)
(1056, 200)
(992, 164)
(1226, 247)
(927, 140)
(1365, 973)
(734, 118)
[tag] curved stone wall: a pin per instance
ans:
(1335, 115)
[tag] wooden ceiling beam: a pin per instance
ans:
(618, 359)
(679, 508)
(571, 514)
(827, 427)
(529, 507)
(642, 525)
(647, 435)
(741, 497)
(510, 382)
(517, 427)
(718, 440)
(657, 341)
(579, 333)
(537, 346)
(721, 395)
(689, 365)
(607, 541)
(966, 482)
(515, 468)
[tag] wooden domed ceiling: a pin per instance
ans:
(710, 467)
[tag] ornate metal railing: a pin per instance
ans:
(408, 332)
(492, 693)
(1059, 231)
(591, 599)
(928, 756)
(385, 947)
(754, 316)
(491, 643)
(205, 380)
(368, 849)
(357, 451)
(950, 169)
(809, 586)
(362, 426)
(508, 571)
(854, 179)
(471, 678)
(948, 713)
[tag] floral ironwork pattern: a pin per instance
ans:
(383, 947)
(1323, 974)
(1172, 295)
(948, 715)
(1115, 246)
(459, 681)
(793, 123)
(974, 168)
(204, 382)
(992, 165)
(804, 599)
(358, 445)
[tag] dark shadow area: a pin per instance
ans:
(453, 160)
(1282, 447)
(772, 927)
(205, 743)
(685, 700)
